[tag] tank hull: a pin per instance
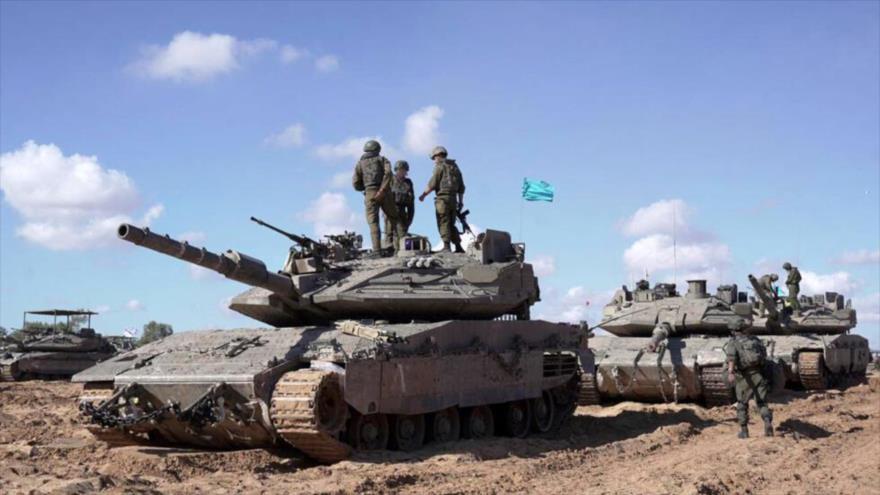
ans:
(48, 364)
(689, 368)
(257, 387)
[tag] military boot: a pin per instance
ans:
(768, 427)
(458, 248)
(445, 247)
(743, 432)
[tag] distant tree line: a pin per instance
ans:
(154, 331)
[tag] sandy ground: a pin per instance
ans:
(827, 443)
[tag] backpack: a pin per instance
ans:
(450, 183)
(750, 353)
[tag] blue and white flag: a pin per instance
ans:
(537, 190)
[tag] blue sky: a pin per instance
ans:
(755, 125)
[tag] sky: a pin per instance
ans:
(691, 139)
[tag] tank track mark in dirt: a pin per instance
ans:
(811, 371)
(588, 392)
(716, 389)
(308, 412)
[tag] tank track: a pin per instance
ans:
(6, 374)
(811, 371)
(113, 437)
(716, 389)
(294, 414)
(588, 391)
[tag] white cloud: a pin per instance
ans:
(543, 265)
(327, 63)
(815, 283)
(867, 308)
(197, 57)
(68, 202)
(293, 136)
(134, 305)
(351, 148)
(661, 217)
(422, 130)
(860, 257)
(668, 251)
(290, 54)
(341, 180)
(330, 214)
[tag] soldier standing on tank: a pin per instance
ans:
(746, 356)
(403, 193)
(448, 184)
(793, 283)
(372, 175)
(766, 283)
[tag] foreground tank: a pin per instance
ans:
(668, 347)
(53, 353)
(387, 353)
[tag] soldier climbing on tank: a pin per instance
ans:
(793, 283)
(372, 175)
(404, 198)
(448, 184)
(746, 356)
(766, 283)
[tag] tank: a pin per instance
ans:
(669, 347)
(362, 353)
(53, 353)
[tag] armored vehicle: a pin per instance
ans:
(668, 347)
(368, 353)
(55, 351)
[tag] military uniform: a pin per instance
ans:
(372, 174)
(448, 184)
(766, 283)
(747, 356)
(404, 197)
(793, 283)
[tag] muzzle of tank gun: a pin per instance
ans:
(231, 264)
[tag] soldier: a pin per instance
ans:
(746, 356)
(372, 175)
(402, 191)
(793, 283)
(766, 283)
(448, 184)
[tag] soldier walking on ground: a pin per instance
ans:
(403, 193)
(793, 283)
(746, 356)
(766, 283)
(448, 184)
(372, 175)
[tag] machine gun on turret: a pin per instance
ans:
(308, 246)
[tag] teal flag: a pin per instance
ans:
(537, 190)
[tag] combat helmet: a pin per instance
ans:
(786, 266)
(736, 325)
(774, 277)
(401, 164)
(372, 146)
(438, 150)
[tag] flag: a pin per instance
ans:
(537, 190)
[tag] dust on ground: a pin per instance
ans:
(827, 442)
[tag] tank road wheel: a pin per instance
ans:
(543, 412)
(446, 425)
(811, 371)
(479, 423)
(368, 432)
(308, 411)
(407, 431)
(517, 418)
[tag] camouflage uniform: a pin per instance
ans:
(372, 173)
(748, 355)
(448, 184)
(793, 283)
(766, 283)
(403, 194)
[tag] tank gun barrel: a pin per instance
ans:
(231, 264)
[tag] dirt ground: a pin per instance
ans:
(827, 442)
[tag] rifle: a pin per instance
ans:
(307, 243)
(462, 217)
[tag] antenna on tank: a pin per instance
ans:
(674, 248)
